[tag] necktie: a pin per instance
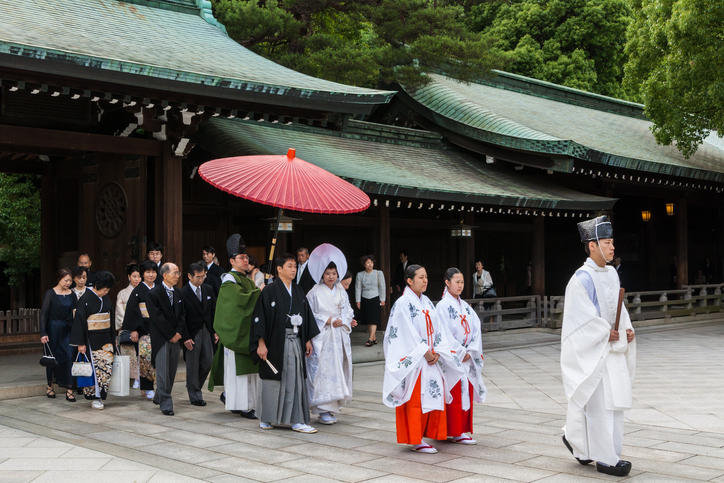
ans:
(170, 296)
(198, 293)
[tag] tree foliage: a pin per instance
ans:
(363, 42)
(676, 66)
(19, 225)
(575, 43)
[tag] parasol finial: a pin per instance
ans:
(291, 154)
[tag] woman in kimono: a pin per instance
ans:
(134, 278)
(463, 326)
(138, 323)
(56, 320)
(95, 335)
(421, 365)
(329, 368)
(80, 278)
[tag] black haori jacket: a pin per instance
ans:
(271, 321)
(166, 320)
(135, 318)
(96, 334)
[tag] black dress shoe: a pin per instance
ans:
(223, 398)
(199, 403)
(248, 414)
(568, 445)
(168, 413)
(622, 468)
(155, 402)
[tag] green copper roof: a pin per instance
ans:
(156, 39)
(416, 165)
(528, 115)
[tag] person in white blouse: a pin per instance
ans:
(482, 281)
(370, 293)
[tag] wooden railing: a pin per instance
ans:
(501, 313)
(659, 304)
(19, 322)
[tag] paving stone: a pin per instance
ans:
(439, 472)
(500, 470)
(252, 469)
(340, 471)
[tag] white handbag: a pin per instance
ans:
(82, 368)
(119, 384)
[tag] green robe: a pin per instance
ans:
(232, 323)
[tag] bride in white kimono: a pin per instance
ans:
(329, 368)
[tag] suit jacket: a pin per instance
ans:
(198, 313)
(213, 277)
(166, 320)
(399, 278)
(306, 282)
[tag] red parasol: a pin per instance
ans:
(286, 182)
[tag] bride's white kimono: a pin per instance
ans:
(597, 374)
(413, 329)
(464, 326)
(329, 368)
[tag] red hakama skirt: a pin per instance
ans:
(413, 425)
(459, 421)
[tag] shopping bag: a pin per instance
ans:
(82, 368)
(119, 384)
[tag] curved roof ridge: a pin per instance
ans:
(444, 101)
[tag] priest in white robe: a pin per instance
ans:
(421, 365)
(463, 325)
(329, 368)
(597, 362)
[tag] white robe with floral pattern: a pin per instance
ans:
(406, 342)
(329, 368)
(451, 311)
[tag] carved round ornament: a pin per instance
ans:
(111, 210)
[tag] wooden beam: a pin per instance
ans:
(538, 258)
(384, 260)
(30, 139)
(169, 207)
(682, 244)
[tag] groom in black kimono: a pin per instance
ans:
(281, 338)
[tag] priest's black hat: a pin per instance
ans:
(235, 246)
(596, 229)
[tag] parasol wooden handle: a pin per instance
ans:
(621, 296)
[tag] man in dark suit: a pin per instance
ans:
(213, 271)
(399, 278)
(304, 278)
(168, 323)
(199, 302)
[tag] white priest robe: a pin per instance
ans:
(412, 329)
(597, 374)
(463, 325)
(329, 368)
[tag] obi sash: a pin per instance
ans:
(99, 321)
(144, 310)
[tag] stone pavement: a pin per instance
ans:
(674, 433)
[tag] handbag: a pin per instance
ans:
(48, 359)
(490, 293)
(125, 338)
(119, 384)
(82, 368)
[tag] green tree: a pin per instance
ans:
(575, 43)
(676, 66)
(364, 42)
(19, 225)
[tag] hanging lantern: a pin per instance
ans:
(670, 209)
(646, 215)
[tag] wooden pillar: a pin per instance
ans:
(467, 256)
(48, 250)
(169, 207)
(384, 260)
(682, 244)
(537, 258)
(653, 280)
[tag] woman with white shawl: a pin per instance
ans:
(329, 368)
(421, 365)
(464, 327)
